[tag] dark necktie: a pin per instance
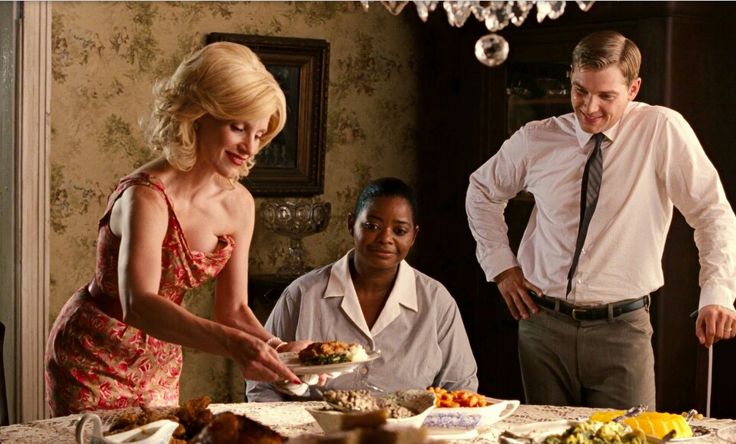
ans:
(588, 199)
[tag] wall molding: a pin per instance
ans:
(32, 180)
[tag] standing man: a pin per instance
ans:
(605, 178)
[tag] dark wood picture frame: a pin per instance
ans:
(293, 163)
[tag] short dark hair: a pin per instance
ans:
(387, 187)
(604, 48)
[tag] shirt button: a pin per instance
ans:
(364, 371)
(580, 281)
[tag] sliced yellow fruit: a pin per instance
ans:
(651, 423)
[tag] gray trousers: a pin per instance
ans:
(597, 363)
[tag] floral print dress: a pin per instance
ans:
(94, 360)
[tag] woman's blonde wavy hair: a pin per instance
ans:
(225, 80)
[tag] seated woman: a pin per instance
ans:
(374, 298)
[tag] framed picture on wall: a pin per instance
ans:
(293, 163)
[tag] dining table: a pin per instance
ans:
(291, 419)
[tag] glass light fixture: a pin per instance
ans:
(491, 49)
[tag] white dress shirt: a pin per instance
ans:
(419, 331)
(651, 160)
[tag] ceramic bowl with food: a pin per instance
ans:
(467, 418)
(157, 432)
(418, 402)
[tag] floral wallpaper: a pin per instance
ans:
(105, 59)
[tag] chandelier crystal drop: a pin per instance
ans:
(491, 49)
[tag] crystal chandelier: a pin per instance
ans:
(491, 49)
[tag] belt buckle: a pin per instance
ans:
(575, 311)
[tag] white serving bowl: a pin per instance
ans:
(158, 432)
(420, 401)
(468, 418)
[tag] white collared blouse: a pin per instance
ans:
(419, 332)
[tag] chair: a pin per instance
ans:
(4, 419)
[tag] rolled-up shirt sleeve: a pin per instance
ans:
(692, 183)
(491, 186)
(459, 369)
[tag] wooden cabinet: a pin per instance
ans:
(688, 65)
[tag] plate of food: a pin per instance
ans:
(191, 422)
(327, 357)
(466, 410)
(536, 432)
(645, 428)
(157, 432)
(657, 425)
(352, 408)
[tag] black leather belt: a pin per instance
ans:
(593, 312)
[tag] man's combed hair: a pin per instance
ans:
(604, 48)
(225, 80)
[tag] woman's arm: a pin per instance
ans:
(231, 289)
(458, 368)
(141, 218)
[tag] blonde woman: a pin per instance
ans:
(171, 225)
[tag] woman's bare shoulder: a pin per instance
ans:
(239, 204)
(143, 198)
(239, 196)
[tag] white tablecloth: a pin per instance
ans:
(291, 419)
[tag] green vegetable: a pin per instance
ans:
(594, 432)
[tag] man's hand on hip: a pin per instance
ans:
(714, 323)
(515, 291)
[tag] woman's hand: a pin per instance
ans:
(258, 361)
(294, 346)
(515, 291)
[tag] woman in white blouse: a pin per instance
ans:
(373, 297)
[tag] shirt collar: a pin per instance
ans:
(404, 291)
(611, 133)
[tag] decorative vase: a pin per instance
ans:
(295, 220)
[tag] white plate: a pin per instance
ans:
(468, 418)
(538, 431)
(291, 359)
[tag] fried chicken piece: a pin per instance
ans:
(139, 416)
(192, 416)
(329, 352)
(229, 428)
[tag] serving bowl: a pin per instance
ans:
(468, 418)
(157, 432)
(421, 401)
